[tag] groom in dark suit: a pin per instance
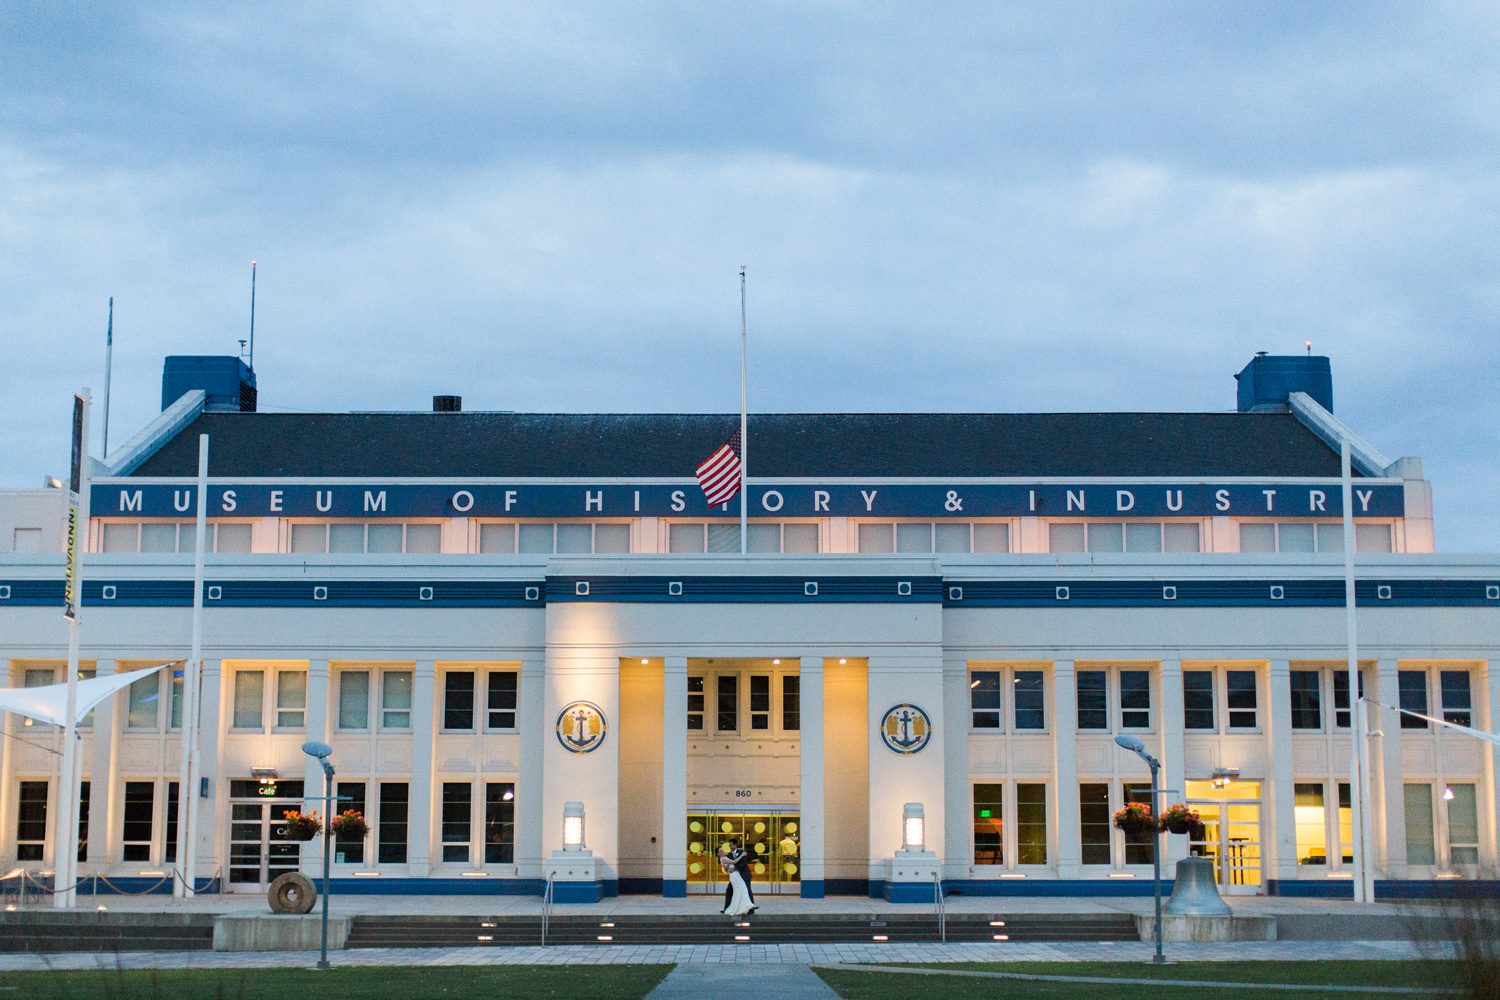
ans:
(740, 859)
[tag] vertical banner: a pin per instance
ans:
(75, 491)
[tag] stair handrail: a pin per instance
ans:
(547, 907)
(940, 907)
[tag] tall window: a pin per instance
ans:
(1135, 699)
(499, 823)
(502, 699)
(1031, 824)
(1093, 701)
(174, 796)
(760, 701)
(1412, 685)
(354, 699)
(1420, 844)
(1346, 824)
(729, 703)
(31, 821)
(143, 699)
(1094, 823)
(174, 720)
(1312, 824)
(1029, 702)
(1140, 847)
(1307, 706)
(1463, 825)
(458, 802)
(1240, 687)
(791, 703)
(395, 701)
(458, 699)
(1198, 699)
(350, 849)
(83, 819)
(1341, 697)
(249, 695)
(394, 798)
(695, 703)
(140, 808)
(291, 699)
(989, 810)
(1457, 704)
(984, 698)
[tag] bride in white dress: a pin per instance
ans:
(739, 903)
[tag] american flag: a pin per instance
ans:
(719, 475)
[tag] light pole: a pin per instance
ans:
(322, 751)
(1137, 747)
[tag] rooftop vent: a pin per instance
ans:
(447, 404)
(228, 381)
(1267, 381)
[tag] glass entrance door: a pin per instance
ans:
(1230, 836)
(259, 849)
(772, 838)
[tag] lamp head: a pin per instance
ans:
(315, 749)
(1131, 743)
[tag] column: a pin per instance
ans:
(102, 774)
(1065, 769)
(209, 855)
(914, 678)
(812, 846)
(958, 823)
(1387, 799)
(1173, 763)
(674, 777)
(1487, 714)
(419, 816)
(316, 716)
(1280, 802)
(9, 793)
(531, 719)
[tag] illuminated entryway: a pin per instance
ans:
(1230, 836)
(259, 849)
(773, 838)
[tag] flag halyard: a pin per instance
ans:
(719, 475)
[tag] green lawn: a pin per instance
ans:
(482, 982)
(854, 985)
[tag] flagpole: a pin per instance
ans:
(744, 439)
(65, 833)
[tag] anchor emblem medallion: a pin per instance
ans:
(905, 729)
(581, 727)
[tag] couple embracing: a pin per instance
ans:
(735, 860)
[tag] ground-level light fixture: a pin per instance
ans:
(913, 827)
(572, 826)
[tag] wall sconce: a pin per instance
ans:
(913, 827)
(1222, 776)
(572, 826)
(265, 775)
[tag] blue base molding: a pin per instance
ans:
(847, 886)
(812, 888)
(580, 892)
(1054, 887)
(671, 888)
(1330, 888)
(137, 885)
(1438, 888)
(907, 892)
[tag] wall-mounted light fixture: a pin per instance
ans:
(1222, 776)
(265, 775)
(913, 827)
(572, 826)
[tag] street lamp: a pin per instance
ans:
(1138, 748)
(322, 751)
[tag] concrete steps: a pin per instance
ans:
(374, 931)
(52, 932)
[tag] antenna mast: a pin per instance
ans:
(109, 350)
(252, 315)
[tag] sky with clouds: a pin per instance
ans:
(983, 206)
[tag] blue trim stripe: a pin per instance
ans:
(954, 594)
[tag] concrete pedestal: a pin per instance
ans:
(575, 877)
(911, 877)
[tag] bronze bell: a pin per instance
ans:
(1195, 893)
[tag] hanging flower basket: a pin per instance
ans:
(1134, 818)
(1180, 819)
(350, 825)
(302, 826)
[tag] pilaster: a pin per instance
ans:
(423, 724)
(102, 775)
(811, 845)
(213, 811)
(1065, 769)
(1387, 800)
(1173, 757)
(316, 716)
(674, 777)
(531, 720)
(958, 821)
(1280, 821)
(1487, 714)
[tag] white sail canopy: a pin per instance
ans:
(50, 702)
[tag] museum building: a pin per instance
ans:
(536, 652)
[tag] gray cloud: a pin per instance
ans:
(1070, 208)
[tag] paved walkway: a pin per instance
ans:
(694, 981)
(748, 954)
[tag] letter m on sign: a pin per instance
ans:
(130, 501)
(374, 501)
